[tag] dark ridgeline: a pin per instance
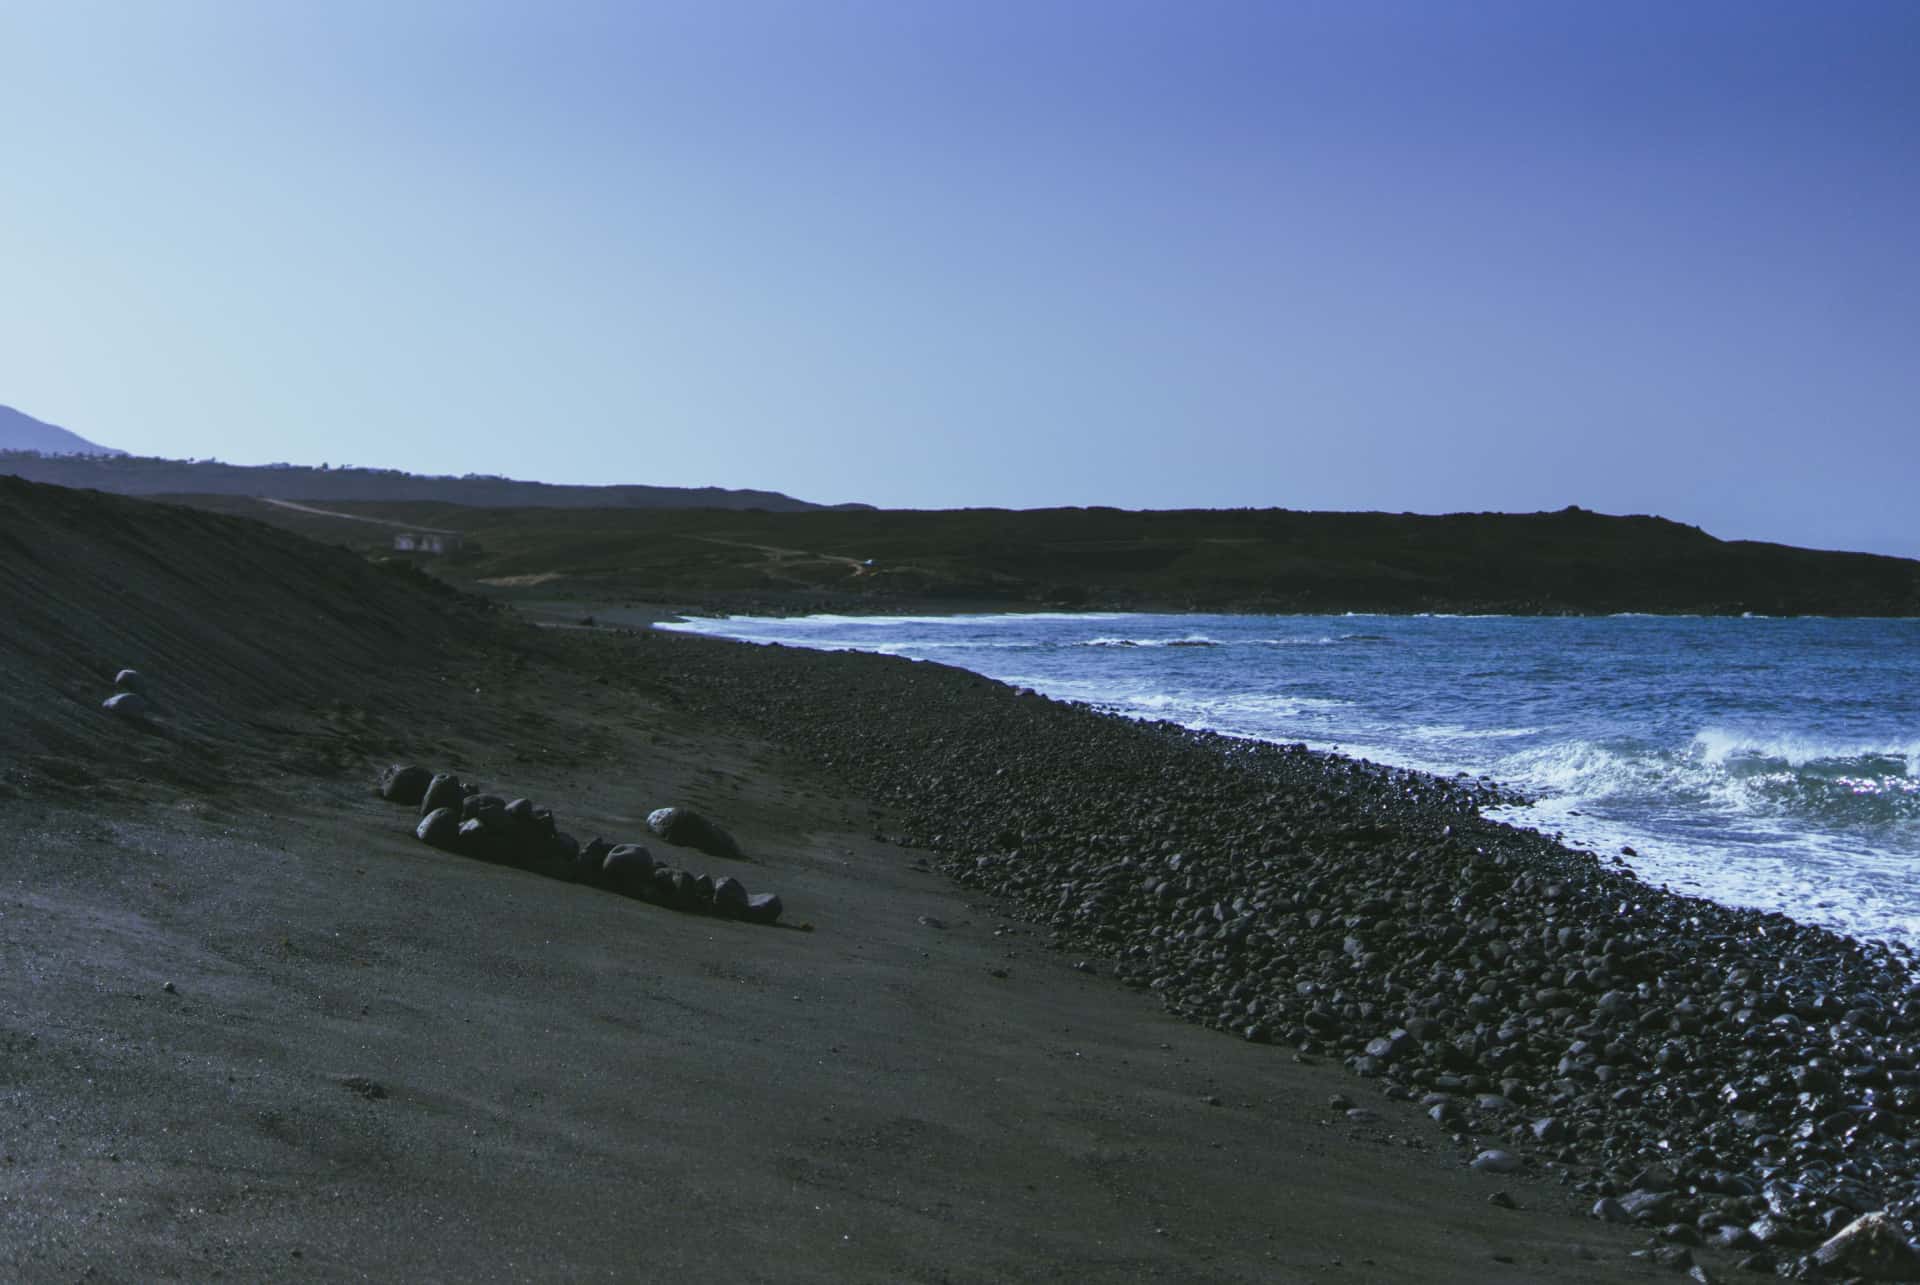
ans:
(1269, 560)
(123, 474)
(764, 551)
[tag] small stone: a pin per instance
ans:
(126, 705)
(1608, 1210)
(1645, 1206)
(1495, 1161)
(131, 680)
(1501, 1200)
(170, 988)
(1770, 1230)
(762, 908)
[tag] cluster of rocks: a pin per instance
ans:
(1719, 1076)
(456, 816)
(129, 699)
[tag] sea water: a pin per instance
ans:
(1772, 763)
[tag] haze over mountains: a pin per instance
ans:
(20, 431)
(41, 452)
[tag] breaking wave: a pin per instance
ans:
(1777, 767)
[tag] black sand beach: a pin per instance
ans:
(1081, 998)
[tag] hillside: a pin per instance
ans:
(238, 626)
(141, 475)
(1572, 561)
(22, 432)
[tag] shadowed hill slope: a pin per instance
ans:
(1271, 560)
(231, 621)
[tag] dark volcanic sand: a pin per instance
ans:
(380, 1061)
(251, 1027)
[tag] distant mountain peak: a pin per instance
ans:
(20, 431)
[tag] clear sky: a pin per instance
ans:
(1641, 257)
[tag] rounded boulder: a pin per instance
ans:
(403, 783)
(628, 869)
(688, 829)
(440, 828)
(762, 908)
(729, 897)
(443, 791)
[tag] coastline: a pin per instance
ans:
(800, 603)
(1744, 761)
(1519, 988)
(991, 1060)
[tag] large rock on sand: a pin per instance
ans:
(489, 809)
(688, 829)
(628, 869)
(555, 856)
(729, 897)
(528, 819)
(1872, 1247)
(762, 908)
(587, 866)
(403, 783)
(445, 790)
(440, 828)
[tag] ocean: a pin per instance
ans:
(1772, 763)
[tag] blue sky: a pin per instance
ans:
(1407, 256)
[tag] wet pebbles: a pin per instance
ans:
(1715, 1075)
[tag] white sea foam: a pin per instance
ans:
(1756, 763)
(1723, 745)
(1189, 640)
(1454, 732)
